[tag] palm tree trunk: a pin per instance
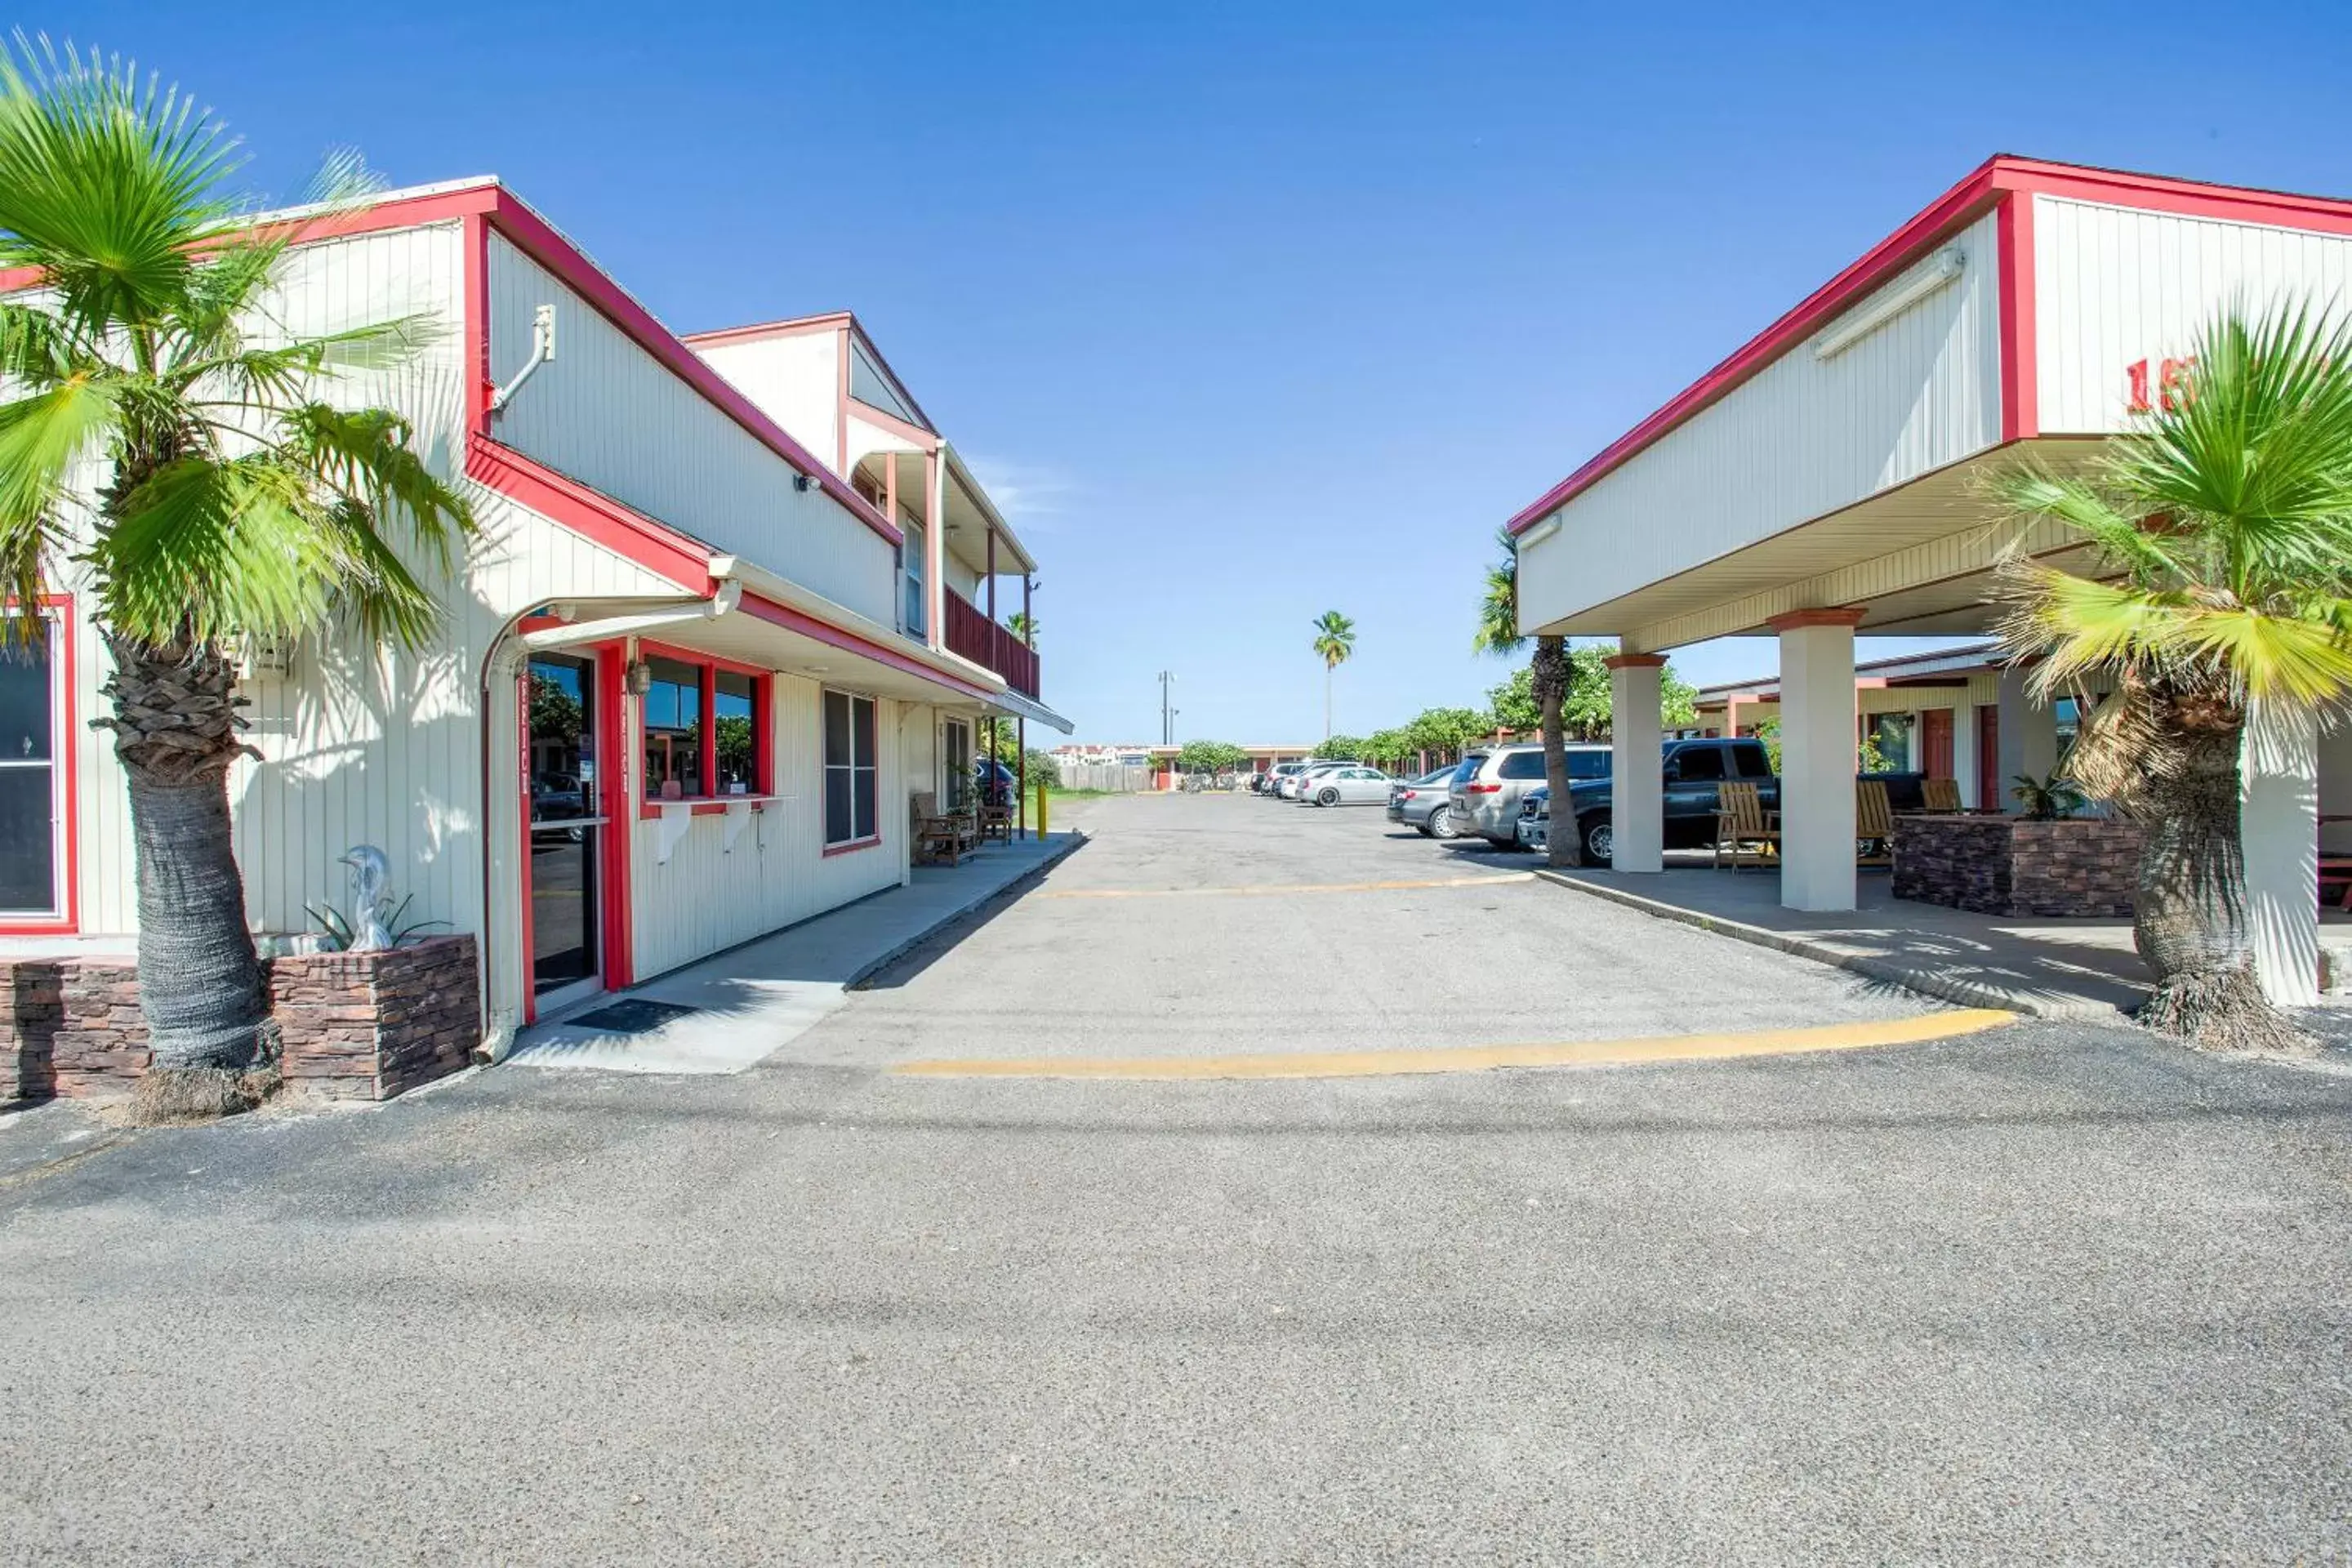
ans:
(2189, 918)
(200, 986)
(1564, 844)
(1327, 667)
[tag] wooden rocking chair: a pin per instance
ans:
(1940, 795)
(1743, 828)
(1873, 824)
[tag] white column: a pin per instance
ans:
(935, 548)
(1817, 759)
(2278, 817)
(1965, 735)
(1637, 786)
(2028, 737)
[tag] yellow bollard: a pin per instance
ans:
(1041, 808)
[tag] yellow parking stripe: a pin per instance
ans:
(1481, 1059)
(1259, 889)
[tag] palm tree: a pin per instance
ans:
(1335, 644)
(1021, 624)
(2223, 523)
(232, 499)
(1498, 633)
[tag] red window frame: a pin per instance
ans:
(763, 707)
(66, 754)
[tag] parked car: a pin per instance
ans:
(995, 784)
(1422, 803)
(1692, 771)
(1488, 788)
(1272, 781)
(1293, 787)
(1355, 785)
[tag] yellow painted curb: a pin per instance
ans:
(1261, 890)
(1481, 1059)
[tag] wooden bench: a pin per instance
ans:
(1873, 824)
(942, 836)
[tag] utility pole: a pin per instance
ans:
(1167, 714)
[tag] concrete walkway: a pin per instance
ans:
(748, 1002)
(2047, 968)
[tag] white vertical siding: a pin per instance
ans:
(1802, 438)
(708, 897)
(2116, 285)
(796, 379)
(609, 415)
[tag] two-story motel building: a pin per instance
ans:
(730, 610)
(1828, 478)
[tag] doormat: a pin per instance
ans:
(634, 1017)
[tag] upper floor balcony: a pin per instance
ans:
(972, 634)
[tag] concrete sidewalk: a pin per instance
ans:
(748, 1002)
(2047, 968)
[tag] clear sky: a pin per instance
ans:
(1251, 311)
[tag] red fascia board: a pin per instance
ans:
(535, 238)
(591, 513)
(1996, 181)
(808, 626)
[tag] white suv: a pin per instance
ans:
(1489, 786)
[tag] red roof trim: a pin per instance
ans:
(1991, 184)
(590, 513)
(808, 626)
(537, 238)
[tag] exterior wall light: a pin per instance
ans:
(1939, 275)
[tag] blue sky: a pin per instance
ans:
(1253, 311)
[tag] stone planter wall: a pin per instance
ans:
(2007, 866)
(354, 1025)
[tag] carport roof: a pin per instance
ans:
(1984, 188)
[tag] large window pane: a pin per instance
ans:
(27, 843)
(838, 819)
(673, 725)
(739, 756)
(836, 729)
(865, 824)
(25, 720)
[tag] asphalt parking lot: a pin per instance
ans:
(2038, 1293)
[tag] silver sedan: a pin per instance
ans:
(1422, 803)
(1349, 786)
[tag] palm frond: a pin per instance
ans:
(378, 480)
(2146, 553)
(104, 185)
(206, 549)
(41, 437)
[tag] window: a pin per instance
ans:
(910, 553)
(1522, 765)
(1589, 765)
(735, 710)
(702, 724)
(1696, 763)
(673, 727)
(955, 765)
(1753, 761)
(30, 804)
(850, 787)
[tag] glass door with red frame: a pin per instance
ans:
(566, 837)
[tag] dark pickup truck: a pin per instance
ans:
(1692, 771)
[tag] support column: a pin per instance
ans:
(2028, 737)
(2278, 818)
(935, 549)
(1637, 786)
(1817, 758)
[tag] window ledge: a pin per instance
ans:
(705, 805)
(852, 846)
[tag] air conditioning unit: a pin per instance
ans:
(261, 655)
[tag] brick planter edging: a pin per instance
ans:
(2009, 866)
(353, 1026)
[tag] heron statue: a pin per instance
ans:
(371, 897)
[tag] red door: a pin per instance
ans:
(1988, 757)
(1936, 742)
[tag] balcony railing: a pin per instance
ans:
(973, 635)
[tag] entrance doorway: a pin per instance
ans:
(1936, 742)
(1989, 757)
(955, 765)
(566, 887)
